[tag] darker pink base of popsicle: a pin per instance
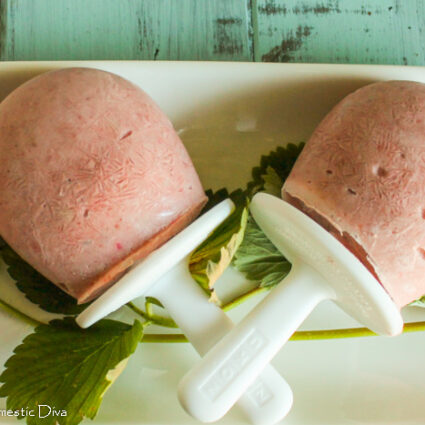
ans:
(346, 239)
(105, 280)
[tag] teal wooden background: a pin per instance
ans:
(344, 31)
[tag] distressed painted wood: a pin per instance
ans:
(340, 31)
(334, 31)
(125, 29)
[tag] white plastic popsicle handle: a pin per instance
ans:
(165, 274)
(140, 279)
(267, 401)
(232, 366)
(322, 268)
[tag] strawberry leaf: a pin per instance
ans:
(67, 368)
(36, 287)
(258, 259)
(214, 255)
(419, 303)
(277, 164)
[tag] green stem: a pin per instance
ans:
(154, 319)
(169, 338)
(298, 336)
(414, 327)
(137, 310)
(242, 298)
(18, 314)
(149, 308)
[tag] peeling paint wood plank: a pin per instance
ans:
(340, 31)
(126, 29)
(3, 18)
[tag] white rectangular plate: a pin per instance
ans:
(228, 115)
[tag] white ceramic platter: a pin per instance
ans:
(228, 115)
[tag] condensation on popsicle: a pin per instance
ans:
(362, 177)
(93, 177)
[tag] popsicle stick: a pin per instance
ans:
(235, 362)
(322, 268)
(267, 400)
(165, 274)
(140, 279)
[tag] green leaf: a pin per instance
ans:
(272, 182)
(36, 287)
(65, 367)
(259, 259)
(214, 255)
(419, 303)
(210, 260)
(277, 163)
(154, 301)
(215, 198)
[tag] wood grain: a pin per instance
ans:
(126, 29)
(343, 31)
(333, 31)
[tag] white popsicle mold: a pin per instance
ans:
(322, 268)
(165, 275)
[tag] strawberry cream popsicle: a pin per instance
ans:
(361, 176)
(352, 226)
(93, 177)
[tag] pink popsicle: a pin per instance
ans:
(93, 177)
(362, 177)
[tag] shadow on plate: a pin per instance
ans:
(227, 136)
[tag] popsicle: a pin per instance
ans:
(93, 177)
(362, 178)
(352, 225)
(93, 180)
